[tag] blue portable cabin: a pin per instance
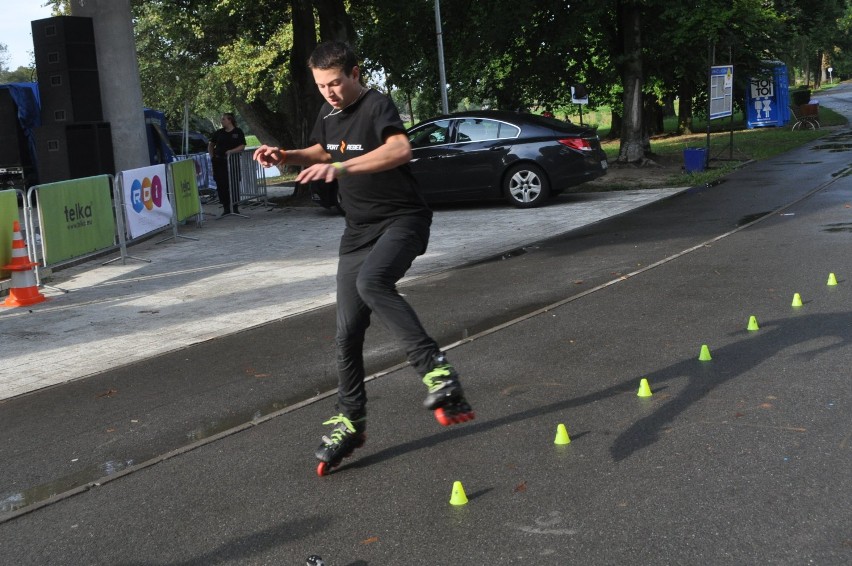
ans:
(767, 97)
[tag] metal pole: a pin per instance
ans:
(185, 137)
(711, 55)
(445, 105)
(731, 145)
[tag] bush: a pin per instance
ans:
(800, 97)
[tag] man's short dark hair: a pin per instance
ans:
(333, 55)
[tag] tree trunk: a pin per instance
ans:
(684, 115)
(305, 100)
(652, 121)
(632, 80)
(615, 125)
(818, 73)
(264, 122)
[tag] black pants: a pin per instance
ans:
(223, 185)
(366, 283)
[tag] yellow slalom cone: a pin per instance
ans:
(704, 356)
(752, 323)
(797, 300)
(832, 280)
(644, 389)
(562, 435)
(458, 497)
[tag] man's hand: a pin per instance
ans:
(327, 172)
(268, 156)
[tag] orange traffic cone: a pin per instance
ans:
(24, 290)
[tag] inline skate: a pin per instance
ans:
(345, 437)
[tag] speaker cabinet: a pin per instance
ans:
(89, 150)
(73, 141)
(67, 69)
(74, 151)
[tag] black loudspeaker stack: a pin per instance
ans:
(73, 140)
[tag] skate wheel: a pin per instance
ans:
(442, 417)
(447, 419)
(323, 469)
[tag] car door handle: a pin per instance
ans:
(498, 148)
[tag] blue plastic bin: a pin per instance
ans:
(693, 159)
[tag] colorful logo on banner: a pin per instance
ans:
(146, 194)
(147, 205)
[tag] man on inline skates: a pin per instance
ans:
(361, 142)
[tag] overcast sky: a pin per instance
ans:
(15, 30)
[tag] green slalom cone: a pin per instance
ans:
(562, 435)
(644, 389)
(797, 300)
(704, 356)
(458, 497)
(752, 323)
(832, 280)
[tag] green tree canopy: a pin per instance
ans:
(632, 54)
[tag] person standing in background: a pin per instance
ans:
(226, 140)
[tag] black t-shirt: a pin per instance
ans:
(376, 201)
(225, 141)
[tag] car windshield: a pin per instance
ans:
(479, 129)
(433, 133)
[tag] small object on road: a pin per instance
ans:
(458, 497)
(562, 435)
(314, 560)
(832, 280)
(24, 290)
(644, 389)
(797, 300)
(704, 356)
(752, 323)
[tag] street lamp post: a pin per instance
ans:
(445, 105)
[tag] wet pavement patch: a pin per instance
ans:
(838, 227)
(834, 147)
(13, 501)
(836, 143)
(749, 218)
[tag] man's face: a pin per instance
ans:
(338, 88)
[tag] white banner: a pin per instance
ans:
(146, 200)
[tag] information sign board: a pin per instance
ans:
(721, 91)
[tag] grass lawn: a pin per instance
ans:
(756, 144)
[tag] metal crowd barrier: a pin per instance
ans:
(203, 174)
(247, 179)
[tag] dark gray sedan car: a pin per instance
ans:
(489, 154)
(483, 155)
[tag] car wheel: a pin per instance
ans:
(526, 186)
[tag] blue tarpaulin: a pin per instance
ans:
(26, 98)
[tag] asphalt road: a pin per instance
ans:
(743, 459)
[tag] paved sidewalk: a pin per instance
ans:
(241, 273)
